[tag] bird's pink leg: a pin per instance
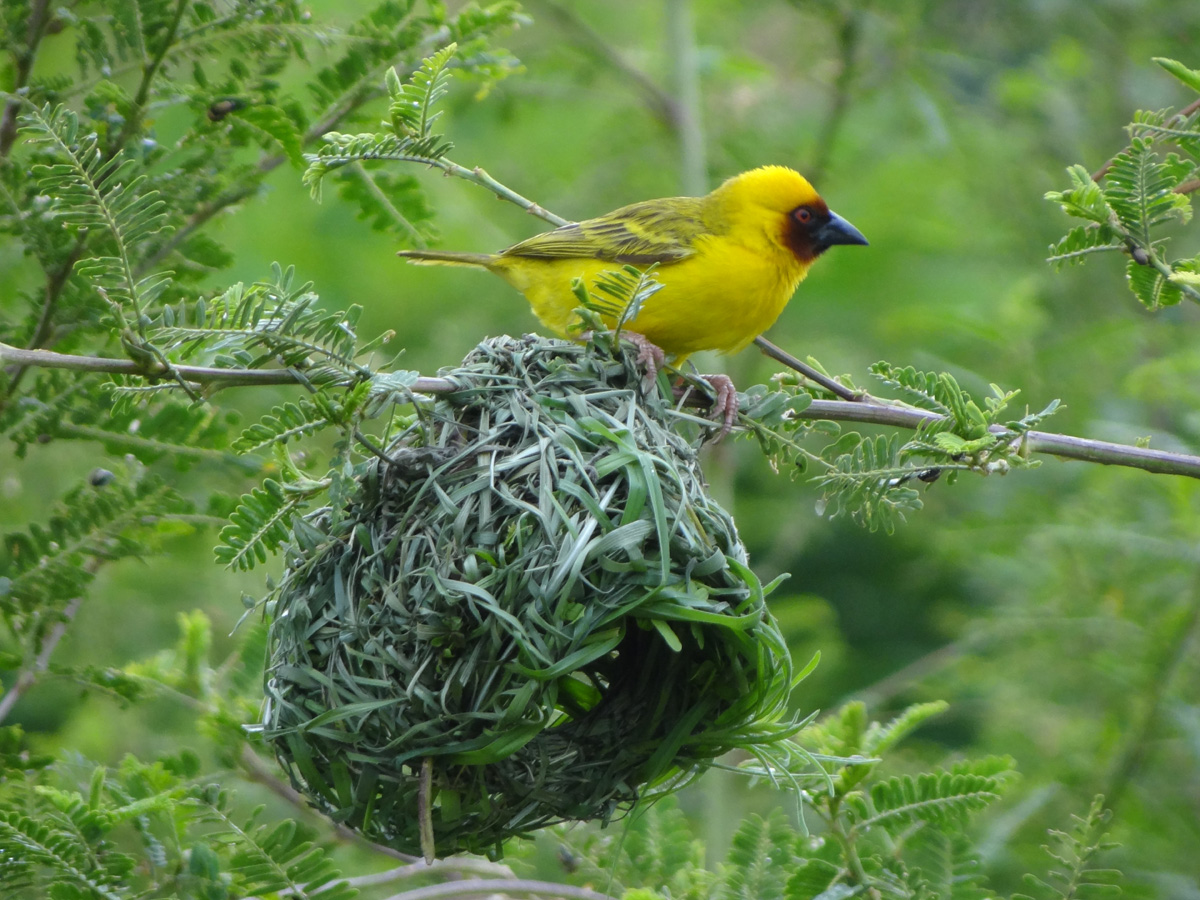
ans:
(650, 356)
(725, 407)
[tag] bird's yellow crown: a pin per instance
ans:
(776, 188)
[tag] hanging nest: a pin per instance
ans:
(534, 613)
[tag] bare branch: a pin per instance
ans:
(867, 410)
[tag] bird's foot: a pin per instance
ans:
(650, 357)
(725, 406)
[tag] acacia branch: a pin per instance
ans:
(198, 375)
(689, 129)
(1180, 116)
(36, 28)
(29, 675)
(866, 411)
(849, 33)
(365, 89)
(1158, 462)
(504, 886)
(662, 105)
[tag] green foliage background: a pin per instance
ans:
(1055, 609)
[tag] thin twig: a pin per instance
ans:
(778, 354)
(688, 123)
(849, 31)
(479, 177)
(1168, 661)
(149, 72)
(460, 865)
(484, 887)
(1159, 462)
(28, 676)
(24, 66)
(662, 105)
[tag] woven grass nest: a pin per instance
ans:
(535, 613)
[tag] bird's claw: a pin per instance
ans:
(650, 357)
(725, 406)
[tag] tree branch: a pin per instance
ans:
(688, 127)
(778, 354)
(29, 675)
(1159, 462)
(662, 105)
(24, 66)
(201, 375)
(484, 887)
(479, 177)
(866, 411)
(849, 32)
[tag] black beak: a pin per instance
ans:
(836, 230)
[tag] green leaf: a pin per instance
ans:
(259, 526)
(813, 880)
(1190, 77)
(411, 110)
(1082, 241)
(760, 858)
(880, 739)
(1151, 286)
(932, 797)
(273, 129)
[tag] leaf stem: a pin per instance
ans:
(479, 177)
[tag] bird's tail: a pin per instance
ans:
(447, 258)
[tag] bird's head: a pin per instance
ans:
(790, 208)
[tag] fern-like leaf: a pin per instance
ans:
(760, 859)
(50, 851)
(947, 865)
(46, 563)
(92, 190)
(815, 879)
(618, 293)
(879, 738)
(260, 525)
(1075, 852)
(342, 149)
(1084, 199)
(868, 481)
(287, 423)
(1152, 287)
(932, 797)
(267, 324)
(411, 110)
(1082, 241)
(1141, 190)
(269, 858)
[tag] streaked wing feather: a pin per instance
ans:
(656, 231)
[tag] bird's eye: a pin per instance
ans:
(803, 215)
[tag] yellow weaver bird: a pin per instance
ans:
(728, 262)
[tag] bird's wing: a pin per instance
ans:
(655, 231)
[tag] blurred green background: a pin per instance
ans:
(1056, 609)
